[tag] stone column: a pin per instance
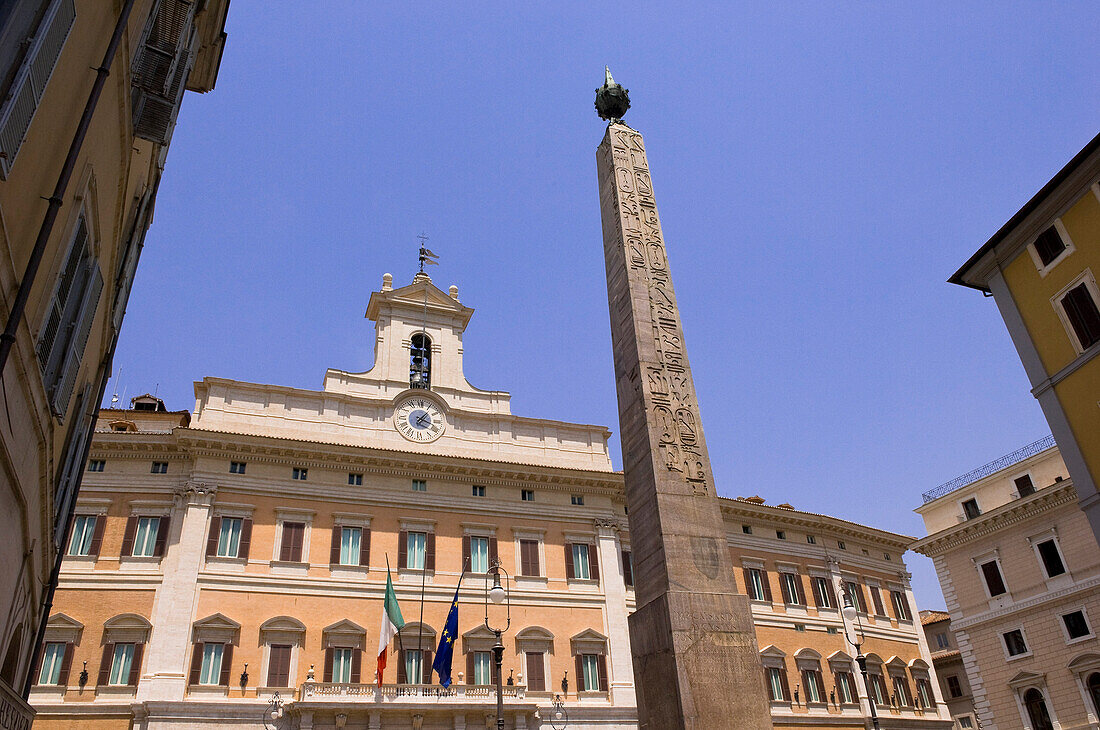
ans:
(692, 637)
(165, 673)
(618, 631)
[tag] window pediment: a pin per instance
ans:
(588, 641)
(217, 629)
(1026, 679)
(344, 633)
(771, 650)
(896, 662)
(535, 638)
(807, 653)
(478, 638)
(63, 628)
(126, 628)
(1082, 662)
(282, 630)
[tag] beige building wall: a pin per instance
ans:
(949, 667)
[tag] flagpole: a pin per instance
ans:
(400, 643)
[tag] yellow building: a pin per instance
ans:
(89, 92)
(222, 558)
(1041, 269)
(1020, 572)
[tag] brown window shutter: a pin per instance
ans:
(135, 668)
(569, 571)
(196, 663)
(469, 667)
(212, 539)
(364, 547)
(66, 665)
(466, 552)
(801, 589)
(356, 664)
(815, 589)
(767, 585)
(334, 553)
(628, 571)
(748, 585)
(536, 675)
(227, 662)
(162, 536)
(401, 678)
(128, 536)
(429, 551)
(278, 671)
(783, 681)
(246, 538)
(876, 597)
(328, 664)
(105, 664)
(97, 535)
(579, 661)
(594, 563)
(426, 666)
(768, 683)
(494, 556)
(403, 549)
(601, 662)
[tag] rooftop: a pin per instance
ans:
(933, 617)
(991, 468)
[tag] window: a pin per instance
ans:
(1052, 559)
(529, 558)
(211, 668)
(355, 480)
(53, 659)
(416, 543)
(854, 595)
(876, 599)
(777, 685)
(831, 630)
(341, 664)
(747, 529)
(780, 535)
(1037, 710)
(994, 582)
(791, 586)
(145, 539)
(970, 509)
(954, 689)
(924, 693)
(1014, 642)
(96, 465)
(350, 546)
(815, 686)
(290, 549)
(577, 500)
(941, 641)
(159, 467)
(229, 537)
(901, 690)
(527, 495)
(299, 473)
(811, 539)
(580, 561)
(628, 568)
(1076, 625)
(1082, 314)
(414, 666)
(420, 361)
(160, 69)
(886, 556)
(845, 688)
(536, 672)
(878, 689)
(278, 666)
(236, 467)
(479, 554)
(823, 593)
(1024, 486)
(419, 485)
(901, 606)
(1049, 246)
(483, 667)
(122, 659)
(800, 627)
(591, 672)
(478, 491)
(840, 544)
(83, 537)
(756, 584)
(965, 722)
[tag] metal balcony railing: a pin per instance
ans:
(992, 467)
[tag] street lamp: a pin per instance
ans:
(559, 718)
(274, 710)
(499, 594)
(851, 616)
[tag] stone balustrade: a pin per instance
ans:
(458, 693)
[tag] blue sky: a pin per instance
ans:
(820, 172)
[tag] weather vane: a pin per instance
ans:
(426, 256)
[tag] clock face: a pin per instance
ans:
(419, 419)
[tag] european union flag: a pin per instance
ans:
(446, 650)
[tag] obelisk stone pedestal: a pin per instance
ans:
(696, 664)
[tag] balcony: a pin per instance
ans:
(480, 694)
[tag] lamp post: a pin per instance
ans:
(559, 718)
(274, 710)
(499, 594)
(851, 616)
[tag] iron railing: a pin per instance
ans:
(992, 467)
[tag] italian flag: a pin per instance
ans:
(391, 624)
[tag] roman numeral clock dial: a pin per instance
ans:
(419, 419)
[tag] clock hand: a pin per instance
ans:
(423, 420)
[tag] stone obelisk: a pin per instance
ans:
(696, 664)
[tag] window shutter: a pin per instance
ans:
(196, 663)
(876, 598)
(135, 668)
(61, 305)
(403, 549)
(801, 589)
(105, 665)
(31, 79)
(815, 589)
(768, 683)
(429, 551)
(72, 469)
(493, 554)
(227, 662)
(401, 676)
(426, 666)
(466, 553)
(862, 596)
(74, 353)
(767, 585)
(469, 667)
(569, 570)
(246, 538)
(628, 571)
(328, 664)
(66, 665)
(783, 681)
(364, 547)
(162, 535)
(160, 69)
(579, 661)
(601, 662)
(1083, 315)
(278, 671)
(594, 562)
(128, 536)
(128, 266)
(536, 675)
(337, 535)
(299, 541)
(356, 665)
(97, 535)
(748, 585)
(287, 542)
(215, 534)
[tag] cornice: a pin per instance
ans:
(821, 524)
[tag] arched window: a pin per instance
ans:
(420, 361)
(11, 659)
(1094, 689)
(1037, 710)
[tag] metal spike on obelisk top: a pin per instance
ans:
(612, 100)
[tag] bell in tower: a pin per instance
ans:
(420, 361)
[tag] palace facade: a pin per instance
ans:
(224, 556)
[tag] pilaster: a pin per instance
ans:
(618, 630)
